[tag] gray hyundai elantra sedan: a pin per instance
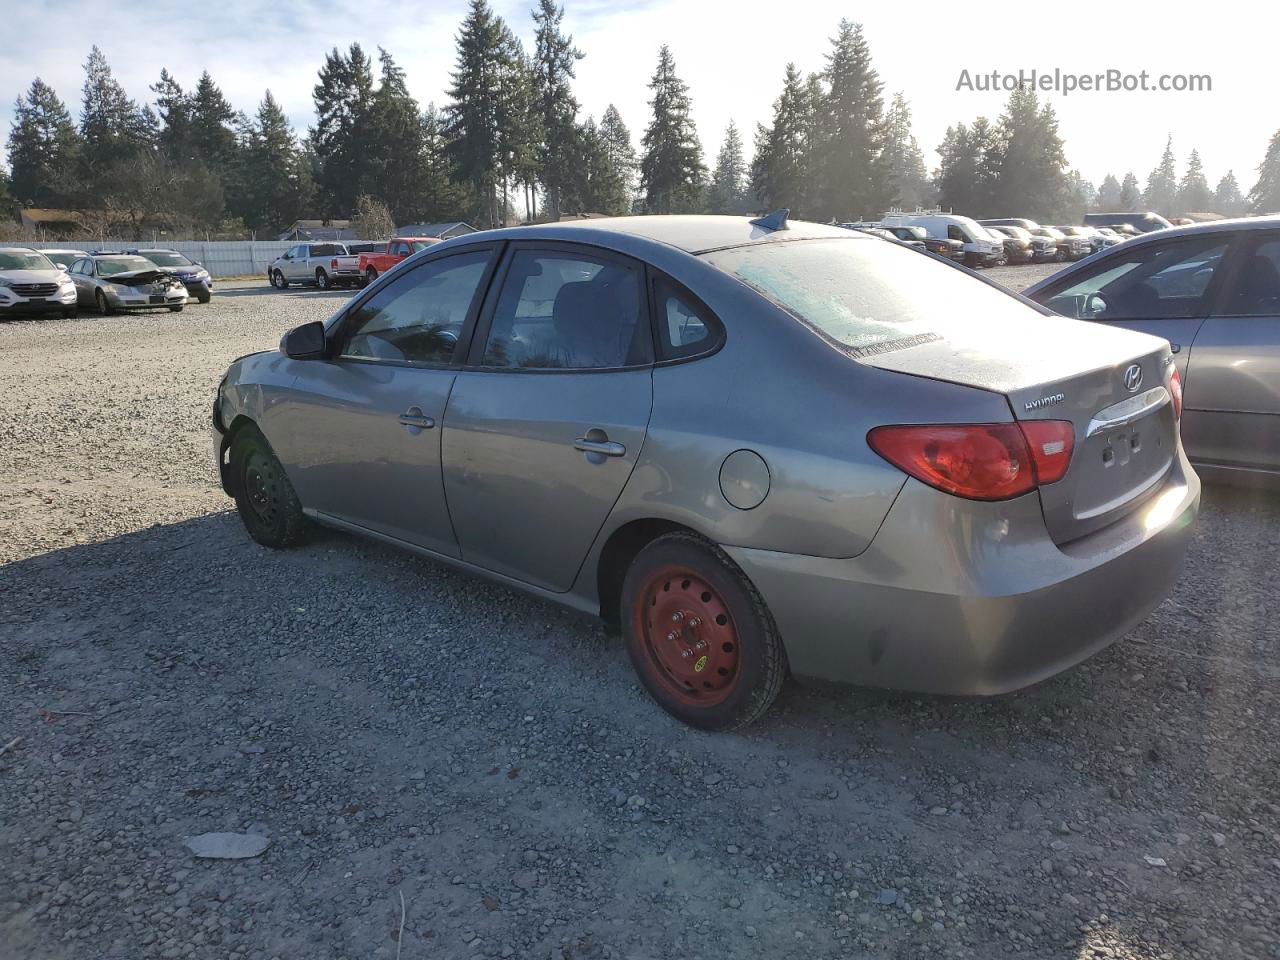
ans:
(756, 447)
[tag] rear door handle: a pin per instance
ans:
(413, 417)
(607, 448)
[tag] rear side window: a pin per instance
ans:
(568, 311)
(325, 250)
(1256, 291)
(685, 326)
(864, 294)
(419, 316)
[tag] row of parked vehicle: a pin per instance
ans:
(1012, 240)
(63, 281)
(346, 263)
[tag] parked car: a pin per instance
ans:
(1138, 222)
(32, 283)
(981, 249)
(64, 258)
(1069, 248)
(1044, 249)
(952, 249)
(1213, 291)
(1097, 241)
(1017, 244)
(344, 268)
(1112, 235)
(758, 448)
(120, 281)
(873, 231)
(308, 263)
(193, 275)
(375, 263)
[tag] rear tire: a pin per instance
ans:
(322, 280)
(100, 301)
(268, 507)
(699, 634)
(370, 275)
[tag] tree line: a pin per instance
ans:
(510, 143)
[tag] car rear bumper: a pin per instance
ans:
(961, 597)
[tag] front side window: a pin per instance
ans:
(419, 316)
(294, 253)
(1256, 291)
(955, 233)
(568, 311)
(1162, 281)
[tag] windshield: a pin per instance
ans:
(25, 261)
(420, 245)
(110, 267)
(63, 258)
(862, 295)
(167, 258)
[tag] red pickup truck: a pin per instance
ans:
(372, 264)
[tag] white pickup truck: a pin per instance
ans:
(327, 264)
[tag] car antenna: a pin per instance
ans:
(772, 221)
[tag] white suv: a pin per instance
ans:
(32, 283)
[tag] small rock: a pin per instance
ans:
(887, 896)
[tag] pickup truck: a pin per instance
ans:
(372, 264)
(326, 265)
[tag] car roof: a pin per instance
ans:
(691, 233)
(151, 250)
(1234, 225)
(19, 250)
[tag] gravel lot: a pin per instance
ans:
(399, 730)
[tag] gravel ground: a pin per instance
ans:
(400, 730)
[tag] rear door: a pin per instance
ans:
(1232, 412)
(359, 434)
(546, 424)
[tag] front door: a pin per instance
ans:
(1232, 409)
(296, 268)
(544, 427)
(359, 434)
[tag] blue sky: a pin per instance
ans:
(732, 55)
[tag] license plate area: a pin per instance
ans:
(156, 298)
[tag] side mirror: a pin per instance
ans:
(306, 342)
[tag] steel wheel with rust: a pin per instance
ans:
(699, 635)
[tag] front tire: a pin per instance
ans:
(699, 634)
(268, 507)
(69, 314)
(204, 297)
(322, 280)
(100, 301)
(177, 309)
(278, 281)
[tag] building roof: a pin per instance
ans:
(440, 230)
(319, 230)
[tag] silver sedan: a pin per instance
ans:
(757, 448)
(116, 281)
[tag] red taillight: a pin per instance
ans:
(979, 461)
(1175, 391)
(333, 264)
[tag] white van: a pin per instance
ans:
(981, 249)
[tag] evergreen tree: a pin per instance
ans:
(1265, 195)
(620, 156)
(394, 143)
(343, 98)
(1227, 198)
(671, 169)
(114, 130)
(473, 131)
(44, 149)
(519, 125)
(273, 186)
(959, 169)
(554, 62)
(9, 206)
(174, 109)
(212, 139)
(1028, 167)
(1109, 195)
(1193, 189)
(1130, 194)
(852, 176)
(903, 158)
(1079, 198)
(727, 192)
(440, 197)
(1161, 195)
(782, 172)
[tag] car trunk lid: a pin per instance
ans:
(1110, 384)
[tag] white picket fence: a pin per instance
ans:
(222, 258)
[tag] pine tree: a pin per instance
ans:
(273, 186)
(44, 149)
(1028, 167)
(554, 61)
(439, 196)
(782, 172)
(473, 131)
(1109, 195)
(852, 177)
(114, 130)
(1130, 194)
(903, 157)
(727, 192)
(620, 156)
(1227, 199)
(1265, 195)
(1161, 195)
(519, 125)
(959, 169)
(1193, 189)
(174, 109)
(9, 206)
(1079, 198)
(343, 99)
(671, 169)
(393, 143)
(213, 141)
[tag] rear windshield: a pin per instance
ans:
(25, 261)
(864, 295)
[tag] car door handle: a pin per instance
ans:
(607, 448)
(413, 417)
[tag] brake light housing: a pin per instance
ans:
(333, 264)
(979, 461)
(1175, 393)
